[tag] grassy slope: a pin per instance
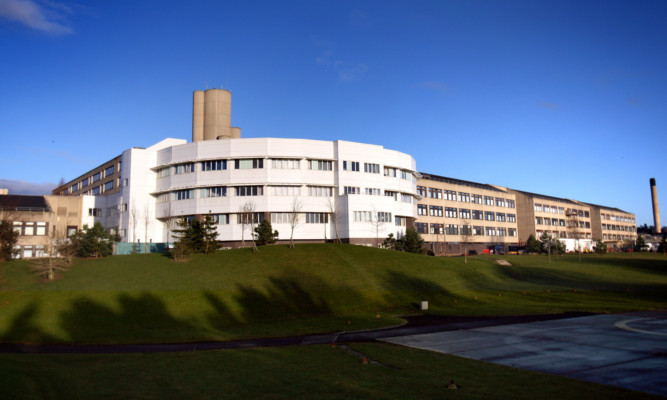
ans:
(281, 291)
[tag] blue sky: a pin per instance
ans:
(564, 98)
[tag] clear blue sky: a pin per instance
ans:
(564, 98)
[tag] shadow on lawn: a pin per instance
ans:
(408, 291)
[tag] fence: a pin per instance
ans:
(139, 248)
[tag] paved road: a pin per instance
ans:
(626, 350)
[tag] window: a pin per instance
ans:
(554, 221)
(502, 231)
(400, 221)
(538, 207)
(489, 215)
(554, 210)
(511, 218)
(352, 190)
(435, 211)
(84, 183)
(383, 216)
(500, 202)
(163, 198)
(282, 217)
(538, 220)
(466, 230)
(97, 177)
(451, 212)
(450, 195)
(488, 200)
(477, 198)
(406, 198)
(29, 229)
(71, 230)
(320, 165)
(422, 209)
(318, 191)
(510, 203)
(477, 214)
(218, 191)
(588, 225)
(184, 194)
(184, 168)
(249, 163)
(407, 175)
(108, 186)
(285, 190)
(74, 188)
(434, 193)
(109, 171)
(96, 190)
(547, 209)
(511, 232)
(587, 214)
(249, 190)
(373, 192)
(279, 163)
(437, 229)
(421, 227)
(317, 218)
(500, 217)
(372, 168)
(561, 210)
(478, 230)
(490, 231)
(363, 216)
(452, 229)
(389, 193)
(464, 197)
(547, 221)
(94, 212)
(421, 191)
(163, 172)
(221, 219)
(464, 213)
(391, 172)
(214, 165)
(351, 166)
(248, 218)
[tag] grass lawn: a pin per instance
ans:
(307, 372)
(313, 288)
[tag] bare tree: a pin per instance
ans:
(134, 220)
(247, 213)
(573, 228)
(294, 218)
(377, 223)
(334, 216)
(52, 263)
(465, 234)
(147, 219)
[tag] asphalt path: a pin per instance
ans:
(415, 325)
(627, 350)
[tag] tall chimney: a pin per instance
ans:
(211, 115)
(656, 212)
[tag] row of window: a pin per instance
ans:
(617, 237)
(617, 218)
(451, 212)
(242, 191)
(464, 197)
(31, 228)
(563, 234)
(464, 230)
(624, 228)
(93, 179)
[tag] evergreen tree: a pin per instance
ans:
(264, 233)
(8, 239)
(209, 235)
(412, 242)
(533, 245)
(94, 241)
(641, 243)
(600, 247)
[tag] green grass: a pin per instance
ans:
(313, 288)
(279, 373)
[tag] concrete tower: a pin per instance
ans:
(656, 212)
(212, 115)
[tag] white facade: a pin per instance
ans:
(371, 189)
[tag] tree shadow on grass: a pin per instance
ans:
(23, 328)
(408, 291)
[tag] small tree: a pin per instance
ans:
(533, 245)
(294, 218)
(209, 235)
(95, 241)
(183, 246)
(334, 216)
(8, 239)
(264, 234)
(147, 219)
(247, 215)
(600, 247)
(377, 223)
(412, 241)
(465, 234)
(391, 243)
(641, 243)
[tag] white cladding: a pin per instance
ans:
(384, 179)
